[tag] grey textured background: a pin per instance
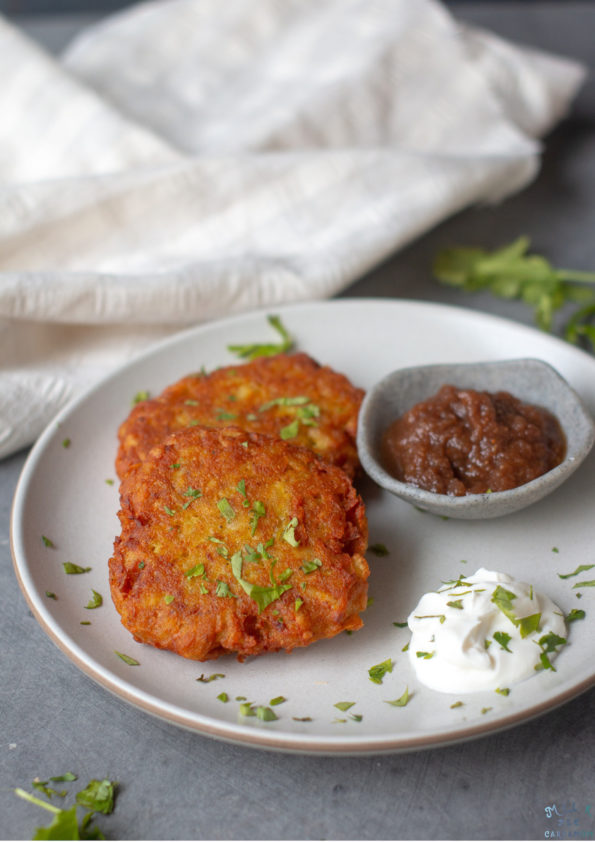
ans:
(179, 785)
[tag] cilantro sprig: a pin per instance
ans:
(96, 797)
(511, 272)
(253, 350)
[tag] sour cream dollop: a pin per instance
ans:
(483, 633)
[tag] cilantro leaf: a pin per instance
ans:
(580, 569)
(378, 671)
(511, 272)
(401, 701)
(252, 350)
(97, 796)
(503, 639)
(96, 600)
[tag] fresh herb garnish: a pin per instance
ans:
(262, 595)
(503, 639)
(401, 625)
(289, 532)
(96, 600)
(456, 603)
(290, 431)
(278, 700)
(425, 655)
(168, 511)
(47, 542)
(265, 714)
(457, 705)
(296, 400)
(503, 691)
(575, 614)
(378, 671)
(168, 598)
(580, 569)
(253, 350)
(528, 625)
(379, 550)
(132, 662)
(141, 396)
(97, 797)
(51, 595)
(223, 697)
(588, 584)
(222, 590)
(311, 566)
(206, 679)
(510, 272)
(548, 644)
(73, 569)
(344, 706)
(197, 570)
(401, 701)
(258, 511)
(226, 509)
(66, 443)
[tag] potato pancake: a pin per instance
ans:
(289, 396)
(235, 542)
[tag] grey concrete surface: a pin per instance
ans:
(179, 785)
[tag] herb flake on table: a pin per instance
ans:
(511, 272)
(132, 662)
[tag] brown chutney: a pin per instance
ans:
(462, 441)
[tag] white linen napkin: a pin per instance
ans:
(186, 159)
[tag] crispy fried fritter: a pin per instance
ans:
(237, 542)
(291, 396)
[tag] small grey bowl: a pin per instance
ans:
(530, 380)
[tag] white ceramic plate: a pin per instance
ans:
(63, 495)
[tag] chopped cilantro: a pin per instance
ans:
(580, 569)
(588, 584)
(298, 604)
(503, 599)
(109, 481)
(530, 624)
(503, 691)
(289, 532)
(456, 603)
(132, 662)
(297, 400)
(425, 655)
(378, 671)
(379, 549)
(141, 396)
(96, 600)
(168, 598)
(401, 625)
(302, 718)
(51, 595)
(223, 697)
(206, 679)
(197, 570)
(290, 431)
(258, 511)
(47, 542)
(486, 710)
(168, 511)
(503, 639)
(66, 443)
(223, 415)
(401, 701)
(226, 509)
(265, 714)
(278, 700)
(193, 492)
(575, 614)
(456, 705)
(310, 566)
(222, 590)
(71, 568)
(253, 350)
(548, 644)
(344, 706)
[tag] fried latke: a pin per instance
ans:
(235, 542)
(287, 395)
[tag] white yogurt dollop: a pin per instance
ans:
(483, 633)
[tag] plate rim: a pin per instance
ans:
(242, 735)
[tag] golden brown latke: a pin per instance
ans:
(288, 395)
(237, 542)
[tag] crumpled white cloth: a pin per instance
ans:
(186, 159)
